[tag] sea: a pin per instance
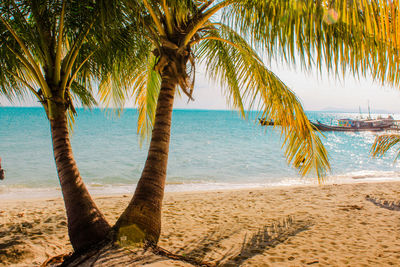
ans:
(209, 150)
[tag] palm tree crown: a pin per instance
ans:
(53, 49)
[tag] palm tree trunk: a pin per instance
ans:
(86, 224)
(141, 220)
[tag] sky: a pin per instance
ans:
(316, 92)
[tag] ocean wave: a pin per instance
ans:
(364, 174)
(97, 189)
(8, 192)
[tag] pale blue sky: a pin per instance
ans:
(314, 91)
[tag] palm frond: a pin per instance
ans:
(118, 63)
(338, 36)
(82, 95)
(146, 87)
(232, 62)
(383, 143)
(71, 120)
(221, 65)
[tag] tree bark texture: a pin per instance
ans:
(141, 220)
(86, 224)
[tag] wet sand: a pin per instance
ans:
(332, 225)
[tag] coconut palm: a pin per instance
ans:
(225, 36)
(54, 50)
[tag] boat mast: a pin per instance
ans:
(369, 111)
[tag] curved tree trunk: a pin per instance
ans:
(86, 224)
(141, 220)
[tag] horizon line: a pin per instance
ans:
(334, 110)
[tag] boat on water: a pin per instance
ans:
(352, 125)
(266, 122)
(358, 125)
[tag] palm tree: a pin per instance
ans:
(223, 35)
(54, 49)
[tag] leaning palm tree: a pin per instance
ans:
(226, 36)
(54, 50)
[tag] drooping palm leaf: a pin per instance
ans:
(131, 71)
(146, 89)
(82, 94)
(383, 143)
(233, 63)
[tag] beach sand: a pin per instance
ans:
(332, 225)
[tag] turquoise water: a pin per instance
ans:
(209, 150)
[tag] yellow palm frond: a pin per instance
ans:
(232, 62)
(146, 87)
(383, 143)
(339, 36)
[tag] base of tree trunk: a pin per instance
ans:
(111, 254)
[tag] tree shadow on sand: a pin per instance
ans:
(390, 205)
(13, 249)
(257, 243)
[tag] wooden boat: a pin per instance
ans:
(266, 122)
(353, 125)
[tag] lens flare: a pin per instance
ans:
(331, 16)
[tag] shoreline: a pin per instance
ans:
(281, 226)
(25, 193)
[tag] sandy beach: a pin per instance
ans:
(331, 225)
